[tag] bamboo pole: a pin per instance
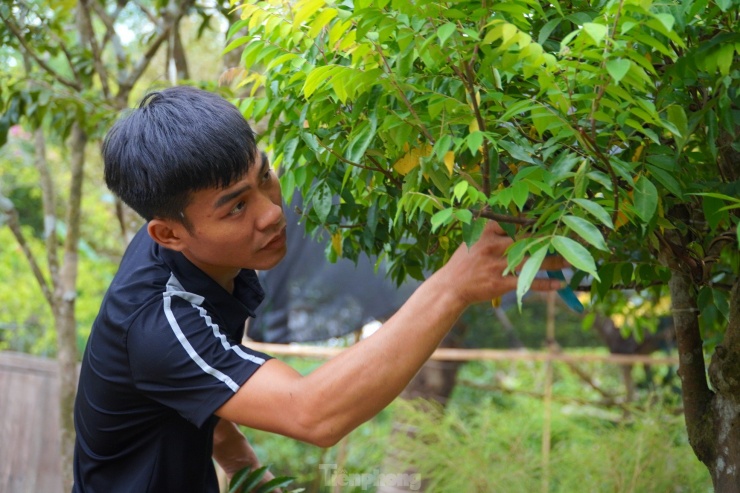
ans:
(456, 354)
(547, 401)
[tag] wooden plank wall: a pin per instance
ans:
(29, 425)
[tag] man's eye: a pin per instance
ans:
(267, 175)
(237, 208)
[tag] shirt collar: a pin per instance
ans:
(234, 308)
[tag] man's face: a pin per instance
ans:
(238, 227)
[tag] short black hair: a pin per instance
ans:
(178, 141)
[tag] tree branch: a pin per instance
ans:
(87, 35)
(41, 63)
(405, 100)
(49, 203)
(110, 30)
(9, 215)
(150, 15)
(468, 78)
(503, 218)
(165, 24)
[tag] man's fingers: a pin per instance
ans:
(547, 285)
(496, 228)
(552, 262)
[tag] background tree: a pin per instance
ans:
(605, 132)
(71, 67)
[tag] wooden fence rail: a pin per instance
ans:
(453, 354)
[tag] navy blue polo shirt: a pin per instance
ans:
(164, 353)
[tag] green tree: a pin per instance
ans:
(604, 132)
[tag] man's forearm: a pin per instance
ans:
(231, 450)
(361, 381)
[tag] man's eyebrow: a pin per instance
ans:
(225, 199)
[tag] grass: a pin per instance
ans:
(489, 439)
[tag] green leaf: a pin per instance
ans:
(318, 76)
(575, 253)
(322, 202)
(529, 272)
(521, 194)
(677, 116)
(441, 217)
(360, 140)
(597, 32)
(713, 212)
(606, 274)
(475, 141)
(471, 231)
(587, 231)
(667, 180)
(646, 198)
(667, 20)
(236, 43)
(306, 10)
(274, 484)
(460, 189)
(445, 31)
(618, 68)
(725, 55)
(321, 21)
(596, 210)
(547, 29)
(464, 215)
(246, 480)
(724, 5)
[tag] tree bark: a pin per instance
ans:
(712, 414)
(66, 296)
(724, 374)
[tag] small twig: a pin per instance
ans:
(150, 15)
(8, 210)
(111, 35)
(504, 218)
(385, 172)
(89, 33)
(405, 100)
(486, 168)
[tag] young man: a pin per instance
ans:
(165, 378)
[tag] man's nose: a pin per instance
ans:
(270, 213)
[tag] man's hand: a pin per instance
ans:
(476, 274)
(233, 452)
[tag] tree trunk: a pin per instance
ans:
(712, 415)
(64, 316)
(724, 373)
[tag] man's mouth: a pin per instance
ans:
(278, 241)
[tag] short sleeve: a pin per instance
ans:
(181, 358)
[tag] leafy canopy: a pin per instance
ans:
(592, 131)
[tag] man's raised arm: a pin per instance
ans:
(327, 404)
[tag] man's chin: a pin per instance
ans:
(273, 262)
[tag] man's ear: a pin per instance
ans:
(167, 233)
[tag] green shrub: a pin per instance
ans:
(499, 449)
